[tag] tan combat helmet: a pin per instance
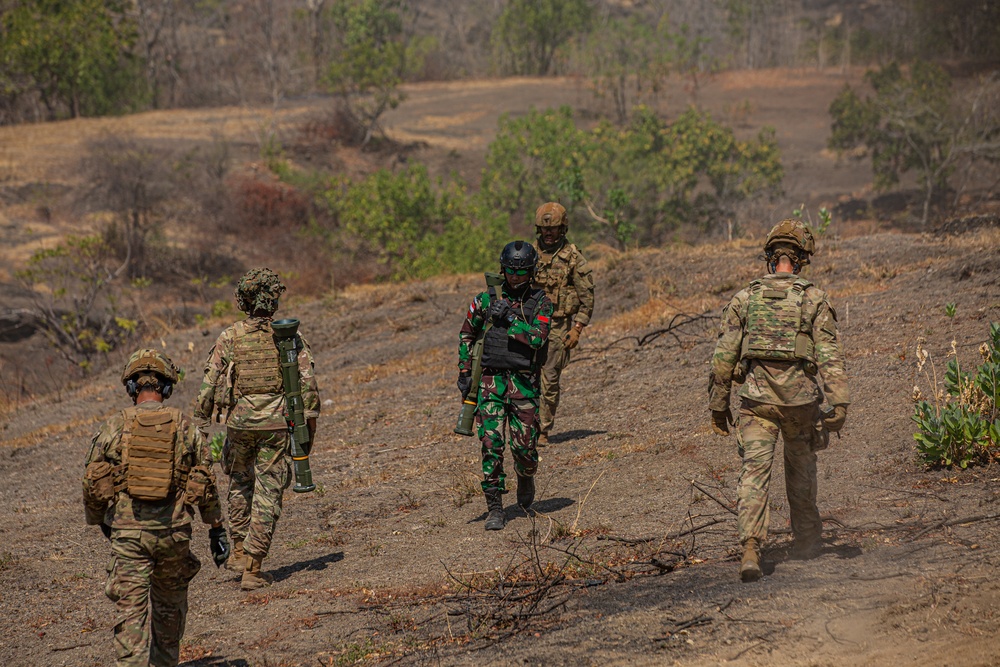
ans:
(551, 214)
(795, 233)
(141, 368)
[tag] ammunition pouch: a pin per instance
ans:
(200, 485)
(99, 483)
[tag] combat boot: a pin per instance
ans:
(543, 440)
(750, 567)
(495, 520)
(525, 491)
(253, 578)
(237, 561)
(804, 548)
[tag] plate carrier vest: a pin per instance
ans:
(258, 369)
(775, 327)
(150, 469)
(504, 353)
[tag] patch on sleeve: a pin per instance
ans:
(542, 318)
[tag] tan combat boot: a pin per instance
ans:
(237, 561)
(253, 578)
(750, 567)
(543, 440)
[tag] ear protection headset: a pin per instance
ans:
(164, 388)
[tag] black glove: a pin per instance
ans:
(501, 313)
(464, 384)
(219, 543)
(106, 529)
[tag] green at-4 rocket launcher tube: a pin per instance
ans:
(468, 414)
(288, 353)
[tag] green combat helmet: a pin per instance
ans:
(259, 291)
(144, 366)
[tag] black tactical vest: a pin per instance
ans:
(504, 353)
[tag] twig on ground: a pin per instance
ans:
(721, 504)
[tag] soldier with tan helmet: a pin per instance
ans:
(779, 338)
(243, 387)
(148, 468)
(566, 277)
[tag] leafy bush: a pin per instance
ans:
(962, 426)
(414, 228)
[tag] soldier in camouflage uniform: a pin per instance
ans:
(776, 335)
(147, 469)
(243, 385)
(566, 277)
(515, 327)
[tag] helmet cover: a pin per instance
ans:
(148, 361)
(551, 214)
(259, 290)
(793, 231)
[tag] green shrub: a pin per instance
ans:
(962, 425)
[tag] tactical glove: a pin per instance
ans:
(721, 419)
(464, 384)
(501, 313)
(219, 543)
(572, 338)
(834, 420)
(106, 529)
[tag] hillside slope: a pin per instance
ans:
(369, 564)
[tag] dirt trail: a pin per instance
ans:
(362, 566)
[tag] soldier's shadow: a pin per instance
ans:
(216, 661)
(313, 564)
(542, 506)
(576, 434)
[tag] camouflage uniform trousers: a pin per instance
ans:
(259, 469)
(509, 400)
(150, 568)
(757, 435)
(557, 360)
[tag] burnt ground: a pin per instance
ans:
(632, 555)
(377, 564)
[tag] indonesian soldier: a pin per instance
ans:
(148, 468)
(568, 282)
(243, 385)
(779, 338)
(515, 326)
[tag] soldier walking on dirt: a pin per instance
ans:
(515, 326)
(147, 469)
(243, 381)
(566, 277)
(776, 335)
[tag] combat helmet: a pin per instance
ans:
(149, 367)
(519, 255)
(795, 233)
(551, 214)
(259, 290)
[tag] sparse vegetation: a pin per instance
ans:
(960, 425)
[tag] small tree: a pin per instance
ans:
(76, 55)
(77, 298)
(915, 122)
(370, 60)
(529, 33)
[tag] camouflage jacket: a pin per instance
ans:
(533, 333)
(568, 281)
(255, 412)
(780, 382)
(124, 512)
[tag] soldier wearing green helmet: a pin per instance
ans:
(147, 469)
(243, 387)
(778, 339)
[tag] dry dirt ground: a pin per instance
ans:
(631, 557)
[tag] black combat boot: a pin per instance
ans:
(525, 491)
(495, 520)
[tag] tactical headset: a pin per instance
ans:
(164, 388)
